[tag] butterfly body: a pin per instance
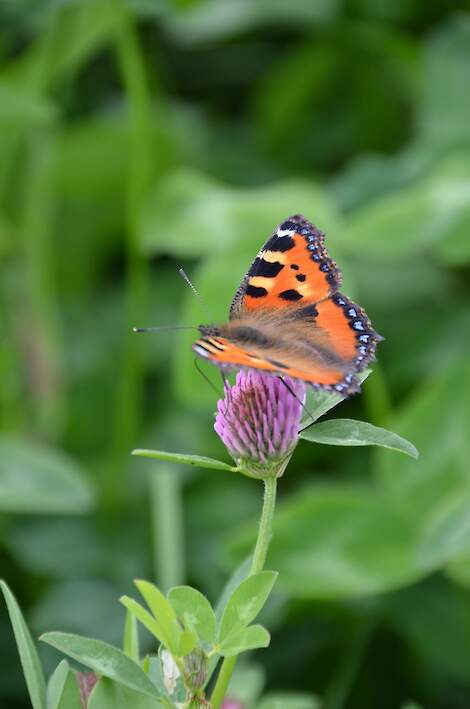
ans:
(289, 318)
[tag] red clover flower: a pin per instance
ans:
(258, 421)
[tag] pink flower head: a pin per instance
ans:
(258, 421)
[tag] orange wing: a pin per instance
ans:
(229, 354)
(325, 346)
(292, 268)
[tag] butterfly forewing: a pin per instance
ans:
(293, 267)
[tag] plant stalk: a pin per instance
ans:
(257, 564)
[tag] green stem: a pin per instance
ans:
(257, 564)
(265, 526)
(167, 527)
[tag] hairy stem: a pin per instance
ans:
(257, 564)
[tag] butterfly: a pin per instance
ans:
(289, 318)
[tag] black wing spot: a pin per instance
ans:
(268, 269)
(255, 291)
(291, 295)
(279, 243)
(309, 311)
(301, 277)
(294, 267)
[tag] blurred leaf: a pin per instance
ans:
(214, 20)
(20, 107)
(250, 638)
(347, 432)
(192, 215)
(30, 663)
(186, 215)
(36, 479)
(103, 659)
(419, 216)
(434, 492)
(83, 606)
(458, 569)
(194, 611)
(446, 103)
(245, 603)
(108, 695)
(434, 610)
(339, 542)
(247, 682)
(62, 689)
(289, 700)
(72, 35)
(198, 460)
(42, 545)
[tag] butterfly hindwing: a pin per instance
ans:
(293, 267)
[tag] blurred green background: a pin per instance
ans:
(140, 136)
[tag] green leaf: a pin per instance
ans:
(289, 700)
(108, 695)
(38, 479)
(187, 643)
(104, 659)
(186, 459)
(242, 640)
(146, 618)
(163, 613)
(63, 691)
(348, 432)
(30, 663)
(245, 603)
(131, 637)
(241, 572)
(446, 103)
(194, 611)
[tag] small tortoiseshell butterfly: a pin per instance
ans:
(289, 318)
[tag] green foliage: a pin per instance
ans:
(108, 695)
(30, 663)
(194, 611)
(245, 603)
(62, 688)
(197, 460)
(104, 659)
(345, 432)
(35, 479)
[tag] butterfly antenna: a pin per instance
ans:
(163, 328)
(289, 388)
(204, 376)
(202, 302)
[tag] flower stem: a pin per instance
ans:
(257, 564)
(265, 526)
